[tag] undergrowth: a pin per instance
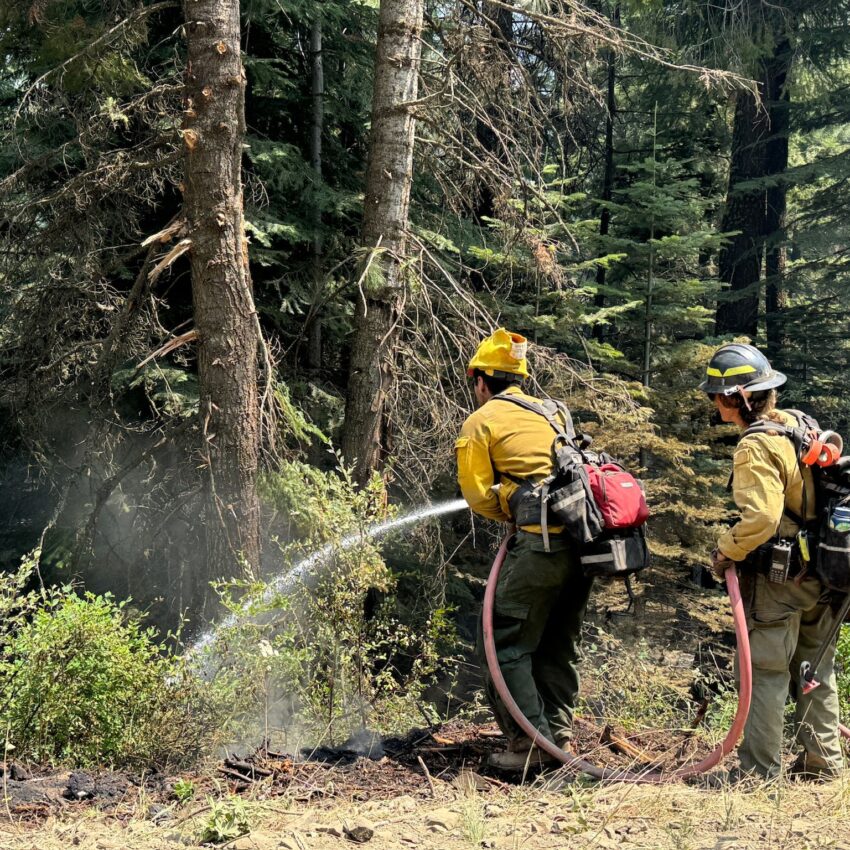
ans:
(83, 682)
(327, 648)
(319, 651)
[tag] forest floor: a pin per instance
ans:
(433, 789)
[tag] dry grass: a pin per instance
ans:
(542, 815)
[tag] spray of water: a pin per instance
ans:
(284, 582)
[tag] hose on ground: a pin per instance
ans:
(745, 689)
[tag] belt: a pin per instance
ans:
(760, 560)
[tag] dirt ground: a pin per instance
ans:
(433, 790)
(543, 814)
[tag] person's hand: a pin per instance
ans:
(719, 564)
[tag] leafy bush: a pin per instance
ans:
(227, 820)
(184, 790)
(83, 682)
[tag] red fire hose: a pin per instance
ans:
(745, 689)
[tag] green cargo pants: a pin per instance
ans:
(787, 623)
(540, 602)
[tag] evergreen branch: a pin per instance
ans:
(140, 14)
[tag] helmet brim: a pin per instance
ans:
(776, 379)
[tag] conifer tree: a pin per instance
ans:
(224, 313)
(385, 221)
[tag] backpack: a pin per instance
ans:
(598, 502)
(831, 558)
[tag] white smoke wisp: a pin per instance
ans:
(285, 582)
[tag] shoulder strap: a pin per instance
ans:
(549, 410)
(805, 423)
(764, 426)
(804, 420)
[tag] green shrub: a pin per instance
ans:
(227, 820)
(306, 657)
(83, 682)
(184, 790)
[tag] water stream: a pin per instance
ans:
(285, 581)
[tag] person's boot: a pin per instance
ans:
(812, 768)
(520, 755)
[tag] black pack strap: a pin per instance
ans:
(804, 420)
(765, 426)
(794, 517)
(805, 423)
(549, 410)
(515, 478)
(564, 430)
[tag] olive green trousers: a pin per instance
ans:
(787, 624)
(539, 608)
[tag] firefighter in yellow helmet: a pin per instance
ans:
(788, 611)
(542, 595)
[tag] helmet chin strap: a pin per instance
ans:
(741, 390)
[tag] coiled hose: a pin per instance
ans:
(745, 690)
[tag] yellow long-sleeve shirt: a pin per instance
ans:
(766, 479)
(501, 437)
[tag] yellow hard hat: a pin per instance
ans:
(501, 355)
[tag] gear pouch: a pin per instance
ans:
(833, 559)
(615, 555)
(572, 506)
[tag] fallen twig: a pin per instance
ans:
(235, 774)
(427, 776)
(247, 767)
(621, 745)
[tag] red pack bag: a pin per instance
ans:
(618, 495)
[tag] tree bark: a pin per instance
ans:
(608, 173)
(388, 183)
(740, 259)
(314, 350)
(224, 312)
(778, 102)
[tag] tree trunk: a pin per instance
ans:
(388, 183)
(740, 259)
(314, 350)
(778, 101)
(225, 316)
(500, 22)
(608, 173)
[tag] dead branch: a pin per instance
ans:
(168, 347)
